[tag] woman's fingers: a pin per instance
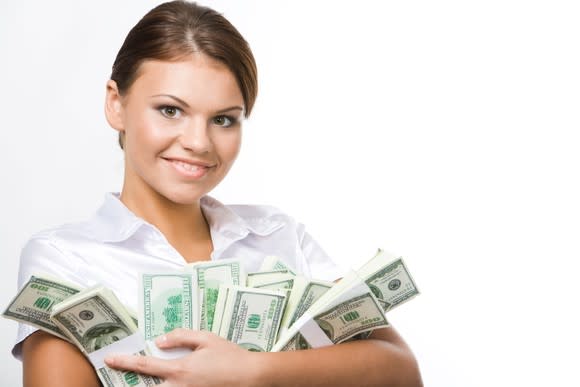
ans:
(181, 337)
(163, 368)
(142, 364)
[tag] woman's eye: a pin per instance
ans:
(169, 111)
(224, 121)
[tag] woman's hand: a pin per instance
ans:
(213, 362)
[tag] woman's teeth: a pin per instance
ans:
(189, 167)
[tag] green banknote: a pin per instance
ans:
(166, 302)
(34, 303)
(389, 280)
(273, 263)
(251, 317)
(209, 276)
(94, 319)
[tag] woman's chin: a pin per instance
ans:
(184, 198)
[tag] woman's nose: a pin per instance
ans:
(195, 136)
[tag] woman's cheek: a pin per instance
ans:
(160, 132)
(230, 141)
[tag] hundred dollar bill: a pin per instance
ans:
(134, 315)
(167, 301)
(251, 317)
(209, 276)
(265, 277)
(273, 263)
(352, 317)
(282, 283)
(347, 309)
(94, 319)
(34, 303)
(389, 280)
(210, 293)
(304, 293)
(220, 305)
(200, 308)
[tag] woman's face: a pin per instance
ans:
(182, 127)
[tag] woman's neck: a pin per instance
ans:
(183, 225)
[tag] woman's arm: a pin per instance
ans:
(382, 360)
(49, 361)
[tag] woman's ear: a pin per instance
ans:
(113, 106)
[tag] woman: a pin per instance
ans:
(181, 84)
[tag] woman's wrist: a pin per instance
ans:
(260, 370)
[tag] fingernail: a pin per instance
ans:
(110, 360)
(161, 340)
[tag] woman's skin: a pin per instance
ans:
(190, 112)
(178, 119)
(48, 361)
(382, 360)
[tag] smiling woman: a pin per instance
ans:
(181, 86)
(180, 122)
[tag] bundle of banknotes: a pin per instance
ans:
(271, 310)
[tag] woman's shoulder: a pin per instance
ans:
(58, 248)
(111, 221)
(54, 252)
(62, 233)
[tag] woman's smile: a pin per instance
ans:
(190, 169)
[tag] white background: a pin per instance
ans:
(444, 131)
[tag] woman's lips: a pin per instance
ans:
(190, 169)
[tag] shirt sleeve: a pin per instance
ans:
(41, 256)
(318, 265)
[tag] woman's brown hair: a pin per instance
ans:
(176, 29)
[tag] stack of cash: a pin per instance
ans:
(249, 317)
(273, 309)
(259, 311)
(33, 304)
(92, 319)
(353, 307)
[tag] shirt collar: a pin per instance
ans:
(114, 222)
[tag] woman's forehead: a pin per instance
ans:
(193, 77)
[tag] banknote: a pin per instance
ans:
(209, 276)
(34, 303)
(251, 317)
(282, 283)
(273, 263)
(389, 280)
(304, 293)
(352, 317)
(167, 301)
(221, 300)
(264, 277)
(94, 319)
(347, 309)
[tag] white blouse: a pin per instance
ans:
(115, 245)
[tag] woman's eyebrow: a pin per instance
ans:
(230, 108)
(172, 97)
